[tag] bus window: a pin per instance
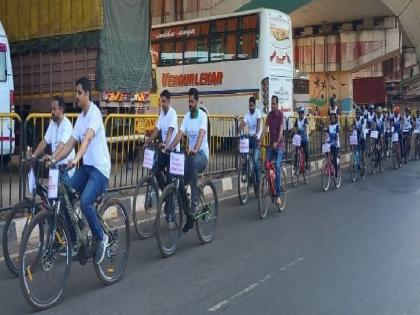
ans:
(197, 51)
(217, 48)
(248, 46)
(249, 22)
(155, 54)
(230, 47)
(167, 55)
(179, 52)
(232, 25)
(3, 66)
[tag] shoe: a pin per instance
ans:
(278, 201)
(189, 224)
(101, 250)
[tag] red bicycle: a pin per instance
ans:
(328, 169)
(299, 167)
(267, 191)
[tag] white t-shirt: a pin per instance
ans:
(60, 133)
(251, 121)
(97, 153)
(166, 121)
(191, 127)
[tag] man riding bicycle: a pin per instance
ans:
(91, 179)
(407, 127)
(370, 116)
(252, 119)
(359, 125)
(275, 125)
(301, 128)
(333, 133)
(167, 125)
(58, 133)
(194, 125)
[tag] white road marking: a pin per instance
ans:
(251, 287)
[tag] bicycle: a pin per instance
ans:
(376, 159)
(357, 163)
(406, 145)
(175, 202)
(145, 200)
(246, 173)
(396, 151)
(57, 246)
(417, 144)
(19, 218)
(299, 167)
(328, 169)
(267, 190)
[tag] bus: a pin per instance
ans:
(228, 58)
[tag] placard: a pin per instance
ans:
(177, 161)
(392, 129)
(374, 134)
(353, 140)
(297, 140)
(326, 147)
(53, 184)
(244, 145)
(31, 180)
(149, 156)
(395, 137)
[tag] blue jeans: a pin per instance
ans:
(194, 164)
(90, 183)
(253, 145)
(276, 155)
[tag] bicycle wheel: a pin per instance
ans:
(208, 212)
(114, 219)
(169, 220)
(263, 197)
(282, 206)
(374, 161)
(144, 207)
(362, 165)
(353, 167)
(307, 171)
(44, 280)
(295, 170)
(417, 149)
(244, 180)
(325, 176)
(16, 222)
(337, 179)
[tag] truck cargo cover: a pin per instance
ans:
(124, 61)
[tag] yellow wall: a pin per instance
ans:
(28, 19)
(322, 86)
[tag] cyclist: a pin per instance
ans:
(252, 119)
(275, 124)
(379, 126)
(370, 116)
(407, 126)
(387, 130)
(396, 125)
(301, 128)
(58, 133)
(91, 179)
(194, 126)
(359, 126)
(167, 125)
(333, 133)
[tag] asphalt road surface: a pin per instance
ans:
(355, 250)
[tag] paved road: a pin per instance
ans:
(351, 251)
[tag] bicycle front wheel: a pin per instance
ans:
(145, 202)
(208, 212)
(263, 196)
(244, 179)
(44, 280)
(169, 220)
(16, 223)
(325, 176)
(282, 205)
(114, 220)
(353, 167)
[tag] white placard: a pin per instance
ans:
(416, 131)
(244, 145)
(148, 158)
(374, 134)
(297, 140)
(392, 129)
(53, 184)
(326, 147)
(395, 137)
(177, 164)
(31, 180)
(353, 140)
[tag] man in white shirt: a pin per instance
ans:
(252, 119)
(167, 125)
(58, 133)
(91, 179)
(194, 126)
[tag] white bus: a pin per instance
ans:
(227, 58)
